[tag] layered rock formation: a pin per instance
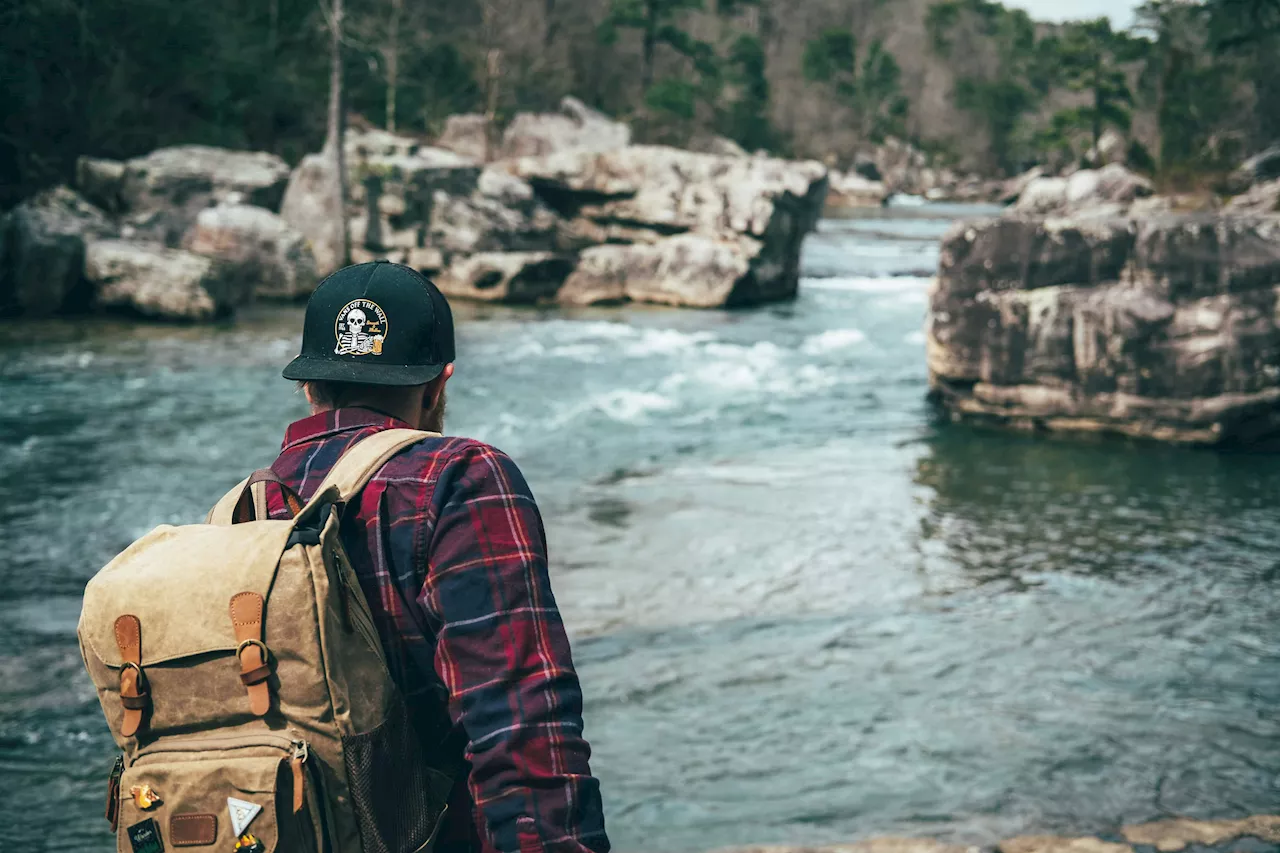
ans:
(115, 244)
(594, 221)
(273, 259)
(1165, 327)
(153, 281)
(42, 248)
(574, 127)
(1109, 190)
(573, 213)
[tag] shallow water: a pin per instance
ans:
(802, 610)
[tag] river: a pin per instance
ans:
(802, 609)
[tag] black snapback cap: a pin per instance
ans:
(377, 324)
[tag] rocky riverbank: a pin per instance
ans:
(1097, 306)
(566, 211)
(1258, 834)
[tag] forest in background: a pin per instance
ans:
(981, 87)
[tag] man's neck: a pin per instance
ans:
(409, 415)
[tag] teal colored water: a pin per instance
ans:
(803, 611)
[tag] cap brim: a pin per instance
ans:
(305, 368)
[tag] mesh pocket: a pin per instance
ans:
(391, 790)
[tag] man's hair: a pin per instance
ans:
(335, 395)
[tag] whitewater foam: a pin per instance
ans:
(832, 340)
(894, 284)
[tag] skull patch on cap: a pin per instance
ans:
(361, 328)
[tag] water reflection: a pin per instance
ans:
(1010, 508)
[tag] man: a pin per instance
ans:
(450, 551)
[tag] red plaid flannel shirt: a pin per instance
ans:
(451, 554)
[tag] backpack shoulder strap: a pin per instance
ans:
(360, 463)
(225, 509)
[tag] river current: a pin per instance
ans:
(803, 610)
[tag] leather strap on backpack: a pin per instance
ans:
(255, 668)
(135, 698)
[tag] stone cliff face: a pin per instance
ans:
(1164, 328)
(585, 219)
(191, 232)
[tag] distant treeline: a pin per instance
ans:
(1192, 89)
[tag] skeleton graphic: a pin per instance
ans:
(356, 335)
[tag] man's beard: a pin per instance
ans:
(433, 418)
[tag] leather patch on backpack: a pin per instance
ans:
(193, 830)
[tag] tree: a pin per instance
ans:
(335, 138)
(391, 57)
(492, 73)
(1001, 70)
(746, 118)
(1088, 65)
(1196, 97)
(1247, 33)
(1001, 104)
(657, 22)
(872, 89)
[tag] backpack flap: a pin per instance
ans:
(169, 597)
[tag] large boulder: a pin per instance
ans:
(100, 181)
(673, 191)
(273, 257)
(721, 146)
(524, 278)
(417, 204)
(1111, 148)
(42, 245)
(1262, 167)
(1013, 188)
(161, 283)
(852, 190)
(693, 270)
(463, 225)
(310, 206)
(575, 127)
(1106, 191)
(1161, 328)
(1260, 198)
(642, 195)
(162, 193)
(467, 135)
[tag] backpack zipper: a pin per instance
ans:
(292, 746)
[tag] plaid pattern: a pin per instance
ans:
(451, 554)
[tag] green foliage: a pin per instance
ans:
(1139, 158)
(1236, 23)
(746, 118)
(117, 78)
(1087, 62)
(830, 55)
(1001, 104)
(1196, 95)
(872, 88)
(673, 98)
(939, 21)
(436, 82)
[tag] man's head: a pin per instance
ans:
(377, 335)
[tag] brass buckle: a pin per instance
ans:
(142, 676)
(244, 644)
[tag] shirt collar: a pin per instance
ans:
(335, 421)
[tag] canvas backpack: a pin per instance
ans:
(242, 676)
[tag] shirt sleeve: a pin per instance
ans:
(503, 654)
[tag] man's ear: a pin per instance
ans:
(436, 387)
